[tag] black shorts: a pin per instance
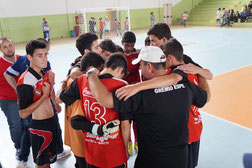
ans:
(43, 140)
(124, 165)
(193, 154)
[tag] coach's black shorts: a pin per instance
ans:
(193, 154)
(43, 140)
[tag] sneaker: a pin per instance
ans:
(17, 153)
(136, 147)
(130, 148)
(65, 153)
(22, 164)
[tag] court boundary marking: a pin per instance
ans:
(227, 121)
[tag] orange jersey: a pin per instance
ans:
(100, 151)
(194, 123)
(73, 138)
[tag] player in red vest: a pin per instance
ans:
(130, 53)
(174, 57)
(102, 148)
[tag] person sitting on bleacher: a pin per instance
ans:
(244, 16)
(250, 14)
(244, 8)
(231, 17)
(237, 17)
(250, 6)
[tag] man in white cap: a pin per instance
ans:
(161, 114)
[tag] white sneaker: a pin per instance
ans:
(22, 164)
(65, 153)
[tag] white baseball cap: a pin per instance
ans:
(151, 54)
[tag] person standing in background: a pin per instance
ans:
(47, 31)
(8, 96)
(126, 25)
(107, 27)
(43, 24)
(91, 25)
(152, 18)
(218, 17)
(118, 27)
(101, 27)
(185, 16)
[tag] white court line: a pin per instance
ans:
(232, 70)
(227, 121)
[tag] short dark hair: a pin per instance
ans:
(160, 30)
(117, 60)
(129, 37)
(44, 40)
(32, 45)
(174, 48)
(119, 48)
(91, 59)
(85, 41)
(147, 40)
(4, 38)
(108, 45)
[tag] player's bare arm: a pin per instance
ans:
(161, 81)
(125, 127)
(99, 91)
(75, 73)
(34, 106)
(193, 69)
(11, 80)
(204, 85)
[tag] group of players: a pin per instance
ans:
(100, 104)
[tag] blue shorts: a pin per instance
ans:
(217, 20)
(106, 31)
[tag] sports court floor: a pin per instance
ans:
(227, 118)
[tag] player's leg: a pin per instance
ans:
(11, 111)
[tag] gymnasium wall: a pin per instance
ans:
(21, 20)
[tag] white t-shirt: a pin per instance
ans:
(218, 14)
(185, 16)
(107, 25)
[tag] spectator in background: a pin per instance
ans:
(250, 14)
(237, 17)
(95, 29)
(47, 31)
(43, 25)
(244, 8)
(185, 16)
(218, 17)
(107, 27)
(244, 16)
(118, 27)
(91, 25)
(101, 27)
(231, 17)
(225, 17)
(250, 5)
(126, 24)
(152, 18)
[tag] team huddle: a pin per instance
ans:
(158, 89)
